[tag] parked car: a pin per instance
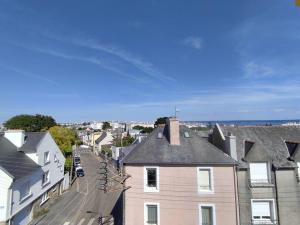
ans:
(77, 161)
(79, 171)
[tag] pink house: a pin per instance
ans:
(179, 178)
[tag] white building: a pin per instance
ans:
(31, 172)
(105, 138)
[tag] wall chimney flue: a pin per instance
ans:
(17, 137)
(230, 146)
(173, 131)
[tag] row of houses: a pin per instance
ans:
(31, 174)
(232, 176)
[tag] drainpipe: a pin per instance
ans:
(277, 199)
(236, 195)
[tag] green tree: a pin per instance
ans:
(128, 140)
(30, 123)
(65, 138)
(147, 130)
(106, 125)
(138, 127)
(160, 120)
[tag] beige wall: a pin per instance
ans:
(178, 196)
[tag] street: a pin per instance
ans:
(84, 202)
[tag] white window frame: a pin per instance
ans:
(151, 189)
(26, 184)
(264, 221)
(146, 212)
(213, 211)
(48, 178)
(253, 181)
(298, 171)
(46, 160)
(205, 191)
(44, 199)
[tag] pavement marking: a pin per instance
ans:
(91, 221)
(66, 223)
(81, 221)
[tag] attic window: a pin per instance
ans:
(186, 134)
(159, 135)
(248, 146)
(291, 146)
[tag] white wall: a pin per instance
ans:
(5, 182)
(55, 168)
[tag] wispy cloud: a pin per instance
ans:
(255, 70)
(138, 62)
(92, 60)
(30, 75)
(62, 95)
(193, 42)
(268, 46)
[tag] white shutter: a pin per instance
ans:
(261, 209)
(204, 179)
(298, 164)
(259, 172)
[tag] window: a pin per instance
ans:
(55, 158)
(46, 178)
(205, 179)
(45, 197)
(298, 164)
(151, 179)
(263, 211)
(46, 157)
(207, 214)
(186, 134)
(151, 213)
(259, 173)
(25, 191)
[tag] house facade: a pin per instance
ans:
(268, 171)
(179, 178)
(32, 171)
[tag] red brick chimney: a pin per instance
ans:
(173, 130)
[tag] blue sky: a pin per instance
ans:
(137, 60)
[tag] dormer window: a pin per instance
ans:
(259, 173)
(186, 134)
(46, 158)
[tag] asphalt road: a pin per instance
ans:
(84, 203)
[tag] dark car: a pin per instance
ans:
(79, 172)
(77, 161)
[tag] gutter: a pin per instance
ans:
(236, 196)
(277, 199)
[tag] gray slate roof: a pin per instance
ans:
(194, 150)
(101, 138)
(32, 141)
(15, 162)
(267, 139)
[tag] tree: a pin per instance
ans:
(65, 138)
(147, 130)
(160, 120)
(126, 141)
(30, 123)
(106, 125)
(138, 127)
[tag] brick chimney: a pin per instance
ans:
(17, 137)
(173, 131)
